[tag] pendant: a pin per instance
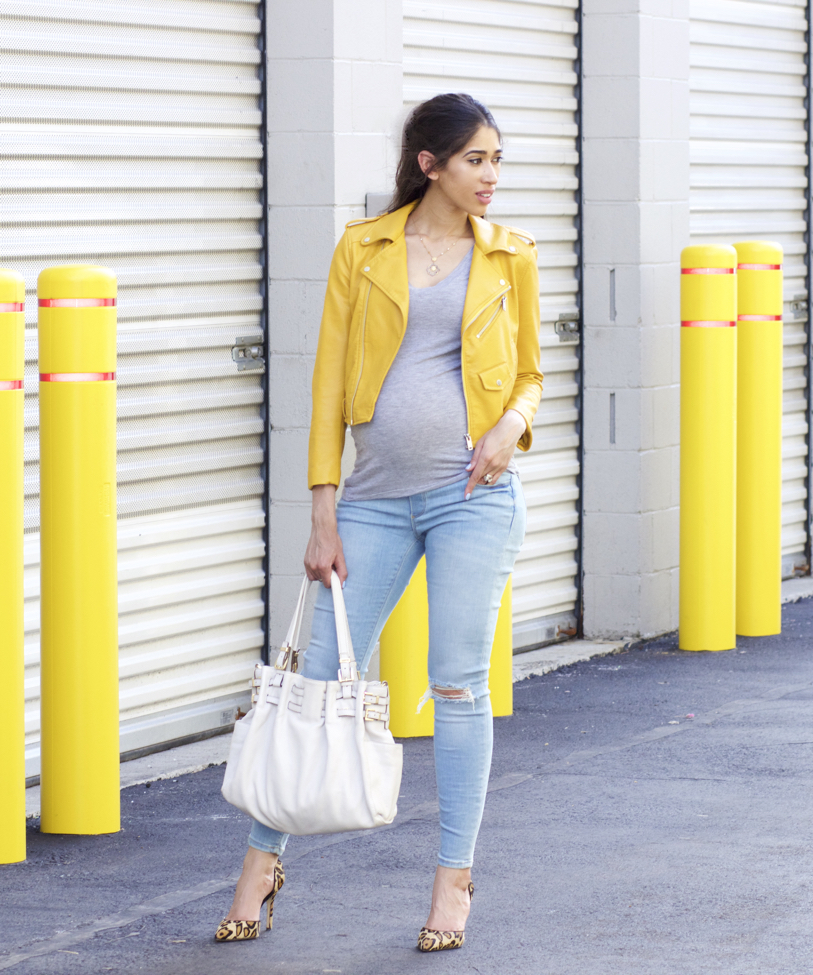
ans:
(432, 269)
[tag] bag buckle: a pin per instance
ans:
(282, 658)
(347, 672)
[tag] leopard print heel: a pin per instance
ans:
(248, 930)
(430, 940)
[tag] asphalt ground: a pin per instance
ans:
(649, 814)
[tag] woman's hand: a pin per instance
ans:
(324, 552)
(494, 450)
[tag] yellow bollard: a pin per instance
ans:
(80, 730)
(759, 438)
(404, 651)
(12, 701)
(708, 405)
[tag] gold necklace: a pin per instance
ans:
(433, 267)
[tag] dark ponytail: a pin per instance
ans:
(443, 125)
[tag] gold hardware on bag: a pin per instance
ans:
(282, 657)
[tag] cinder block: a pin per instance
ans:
(594, 8)
(680, 110)
(659, 479)
(597, 419)
(610, 107)
(611, 357)
(660, 417)
(289, 391)
(656, 233)
(377, 94)
(611, 170)
(665, 283)
(612, 481)
(657, 350)
(306, 177)
(628, 295)
(306, 237)
(680, 227)
(660, 540)
(291, 35)
(361, 162)
(612, 607)
(294, 314)
(301, 94)
(657, 613)
(656, 108)
(288, 465)
(670, 47)
(610, 44)
(612, 231)
(289, 527)
(361, 29)
(612, 543)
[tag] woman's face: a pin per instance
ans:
(470, 177)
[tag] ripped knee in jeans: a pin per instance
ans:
(445, 692)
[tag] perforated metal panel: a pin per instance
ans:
(131, 137)
(748, 180)
(518, 58)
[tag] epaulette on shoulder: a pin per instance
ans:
(522, 234)
(357, 223)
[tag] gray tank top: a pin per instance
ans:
(416, 440)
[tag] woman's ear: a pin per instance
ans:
(426, 161)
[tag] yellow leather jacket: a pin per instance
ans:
(365, 317)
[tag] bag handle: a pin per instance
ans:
(348, 670)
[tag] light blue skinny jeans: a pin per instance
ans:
(470, 548)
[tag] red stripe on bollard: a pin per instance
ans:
(77, 302)
(12, 306)
(707, 270)
(11, 384)
(708, 324)
(77, 377)
(759, 318)
(759, 267)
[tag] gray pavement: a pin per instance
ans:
(649, 814)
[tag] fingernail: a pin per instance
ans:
(468, 495)
(344, 583)
(468, 468)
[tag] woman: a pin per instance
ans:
(429, 350)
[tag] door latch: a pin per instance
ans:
(567, 328)
(248, 353)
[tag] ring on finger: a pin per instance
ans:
(488, 478)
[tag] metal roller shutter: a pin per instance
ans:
(748, 180)
(518, 58)
(131, 137)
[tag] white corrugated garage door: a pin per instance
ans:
(518, 58)
(131, 137)
(748, 180)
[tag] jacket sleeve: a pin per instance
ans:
(327, 419)
(527, 389)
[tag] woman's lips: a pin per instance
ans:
(485, 197)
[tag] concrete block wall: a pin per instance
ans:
(635, 157)
(334, 111)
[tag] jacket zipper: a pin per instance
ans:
(499, 309)
(361, 363)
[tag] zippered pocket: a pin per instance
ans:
(500, 308)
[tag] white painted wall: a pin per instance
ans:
(335, 105)
(636, 221)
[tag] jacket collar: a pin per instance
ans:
(488, 237)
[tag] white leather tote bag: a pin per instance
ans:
(315, 756)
